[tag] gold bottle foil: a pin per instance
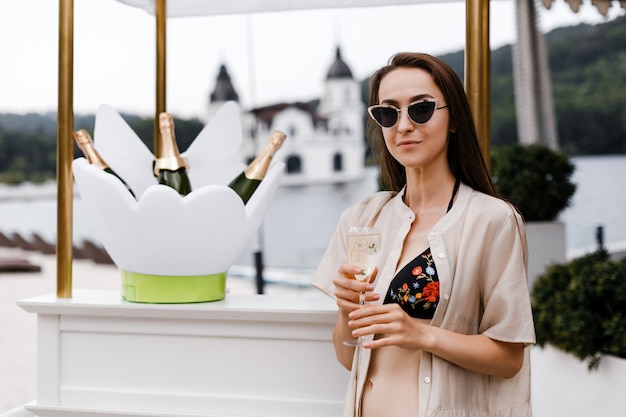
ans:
(257, 168)
(85, 143)
(170, 158)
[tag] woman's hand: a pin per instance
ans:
(475, 352)
(392, 324)
(347, 287)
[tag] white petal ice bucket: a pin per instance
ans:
(171, 248)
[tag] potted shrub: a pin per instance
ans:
(579, 309)
(537, 180)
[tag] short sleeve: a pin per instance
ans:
(507, 311)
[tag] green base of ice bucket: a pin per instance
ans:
(146, 288)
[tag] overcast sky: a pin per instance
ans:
(270, 56)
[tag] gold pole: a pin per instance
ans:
(65, 148)
(161, 17)
(477, 68)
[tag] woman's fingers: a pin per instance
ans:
(347, 288)
(346, 279)
(343, 294)
(376, 319)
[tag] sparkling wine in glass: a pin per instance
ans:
(363, 245)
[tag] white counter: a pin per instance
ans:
(247, 355)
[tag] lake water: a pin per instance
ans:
(301, 220)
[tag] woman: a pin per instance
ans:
(448, 317)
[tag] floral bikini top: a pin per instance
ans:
(416, 286)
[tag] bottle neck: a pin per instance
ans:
(94, 157)
(84, 142)
(258, 168)
(170, 158)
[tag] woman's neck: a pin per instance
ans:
(428, 192)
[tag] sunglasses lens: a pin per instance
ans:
(385, 116)
(422, 112)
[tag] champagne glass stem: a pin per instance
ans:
(360, 339)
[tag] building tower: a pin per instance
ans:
(224, 91)
(341, 103)
(326, 143)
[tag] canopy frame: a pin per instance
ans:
(477, 75)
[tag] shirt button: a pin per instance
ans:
(432, 235)
(441, 255)
(446, 297)
(427, 380)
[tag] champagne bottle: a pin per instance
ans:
(170, 168)
(246, 183)
(85, 143)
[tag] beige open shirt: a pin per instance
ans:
(479, 249)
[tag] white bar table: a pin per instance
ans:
(247, 355)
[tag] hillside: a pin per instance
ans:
(588, 73)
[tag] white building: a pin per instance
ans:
(323, 145)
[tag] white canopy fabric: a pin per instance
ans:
(185, 8)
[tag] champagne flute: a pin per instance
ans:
(363, 245)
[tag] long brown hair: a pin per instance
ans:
(464, 155)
